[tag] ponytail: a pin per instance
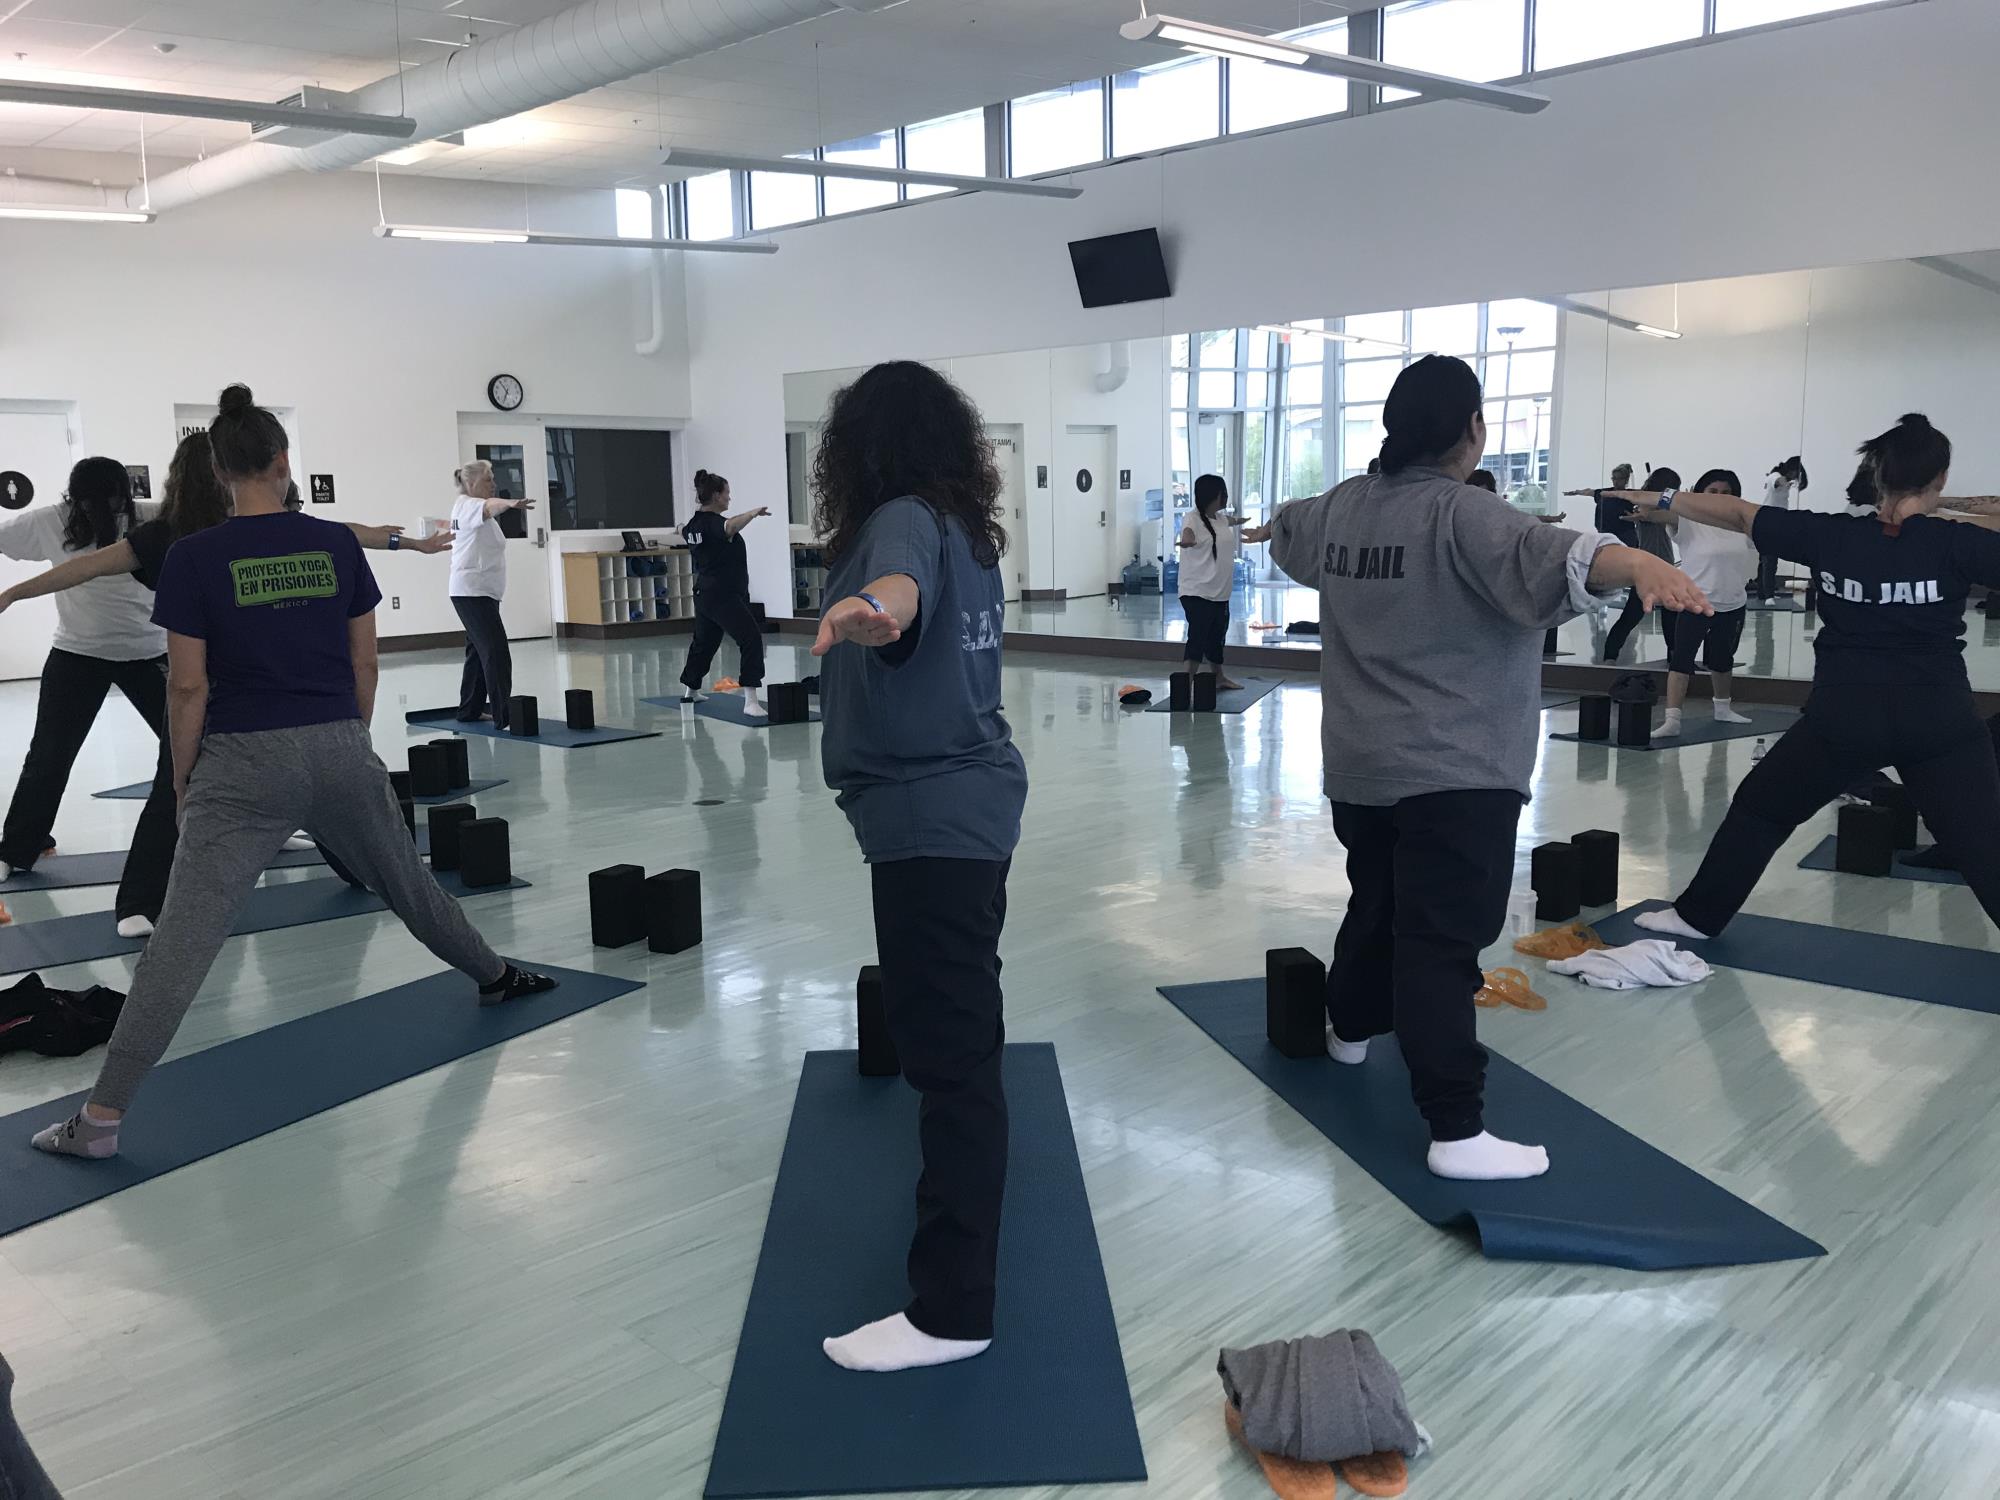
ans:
(1429, 410)
(1907, 459)
(1210, 487)
(707, 486)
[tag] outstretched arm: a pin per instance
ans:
(1725, 511)
(1659, 585)
(734, 524)
(496, 507)
(855, 619)
(376, 539)
(103, 563)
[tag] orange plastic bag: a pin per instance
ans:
(1508, 987)
(1560, 942)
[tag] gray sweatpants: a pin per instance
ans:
(248, 794)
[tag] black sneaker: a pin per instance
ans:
(513, 984)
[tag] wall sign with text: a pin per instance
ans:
(321, 489)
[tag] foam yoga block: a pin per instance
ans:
(617, 905)
(399, 782)
(1593, 718)
(673, 911)
(1180, 692)
(580, 709)
(457, 762)
(523, 717)
(1867, 840)
(1295, 1002)
(1895, 798)
(1635, 725)
(1204, 692)
(787, 703)
(483, 854)
(877, 1052)
(447, 824)
(430, 772)
(1597, 852)
(1556, 871)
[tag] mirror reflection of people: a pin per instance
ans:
(1208, 546)
(1433, 601)
(478, 583)
(1720, 560)
(722, 593)
(271, 680)
(193, 501)
(1786, 481)
(1651, 539)
(1889, 681)
(104, 638)
(927, 772)
(1483, 479)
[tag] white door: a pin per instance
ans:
(35, 444)
(1013, 506)
(1086, 489)
(520, 459)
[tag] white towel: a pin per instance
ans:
(1654, 962)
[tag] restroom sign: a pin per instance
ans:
(322, 489)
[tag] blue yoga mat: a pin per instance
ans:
(208, 1101)
(727, 708)
(1697, 728)
(1046, 1405)
(1821, 858)
(63, 872)
(138, 790)
(1225, 703)
(1608, 1198)
(1909, 969)
(94, 934)
(554, 732)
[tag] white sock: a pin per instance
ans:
(1724, 714)
(1669, 921)
(1670, 726)
(897, 1344)
(1487, 1158)
(1345, 1052)
(6, 870)
(753, 705)
(131, 927)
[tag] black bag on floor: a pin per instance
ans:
(57, 1023)
(1636, 687)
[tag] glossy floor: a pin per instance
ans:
(522, 1275)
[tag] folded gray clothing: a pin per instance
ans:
(1320, 1399)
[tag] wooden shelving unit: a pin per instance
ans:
(808, 578)
(612, 593)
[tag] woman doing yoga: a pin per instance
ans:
(1208, 547)
(271, 678)
(1889, 687)
(1719, 560)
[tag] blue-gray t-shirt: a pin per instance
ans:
(914, 743)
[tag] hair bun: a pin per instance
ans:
(701, 476)
(1915, 419)
(237, 398)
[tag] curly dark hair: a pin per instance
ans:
(194, 499)
(97, 508)
(904, 430)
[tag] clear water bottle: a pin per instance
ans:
(1757, 751)
(1520, 914)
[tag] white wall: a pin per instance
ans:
(378, 345)
(1854, 138)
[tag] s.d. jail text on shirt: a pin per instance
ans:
(1884, 591)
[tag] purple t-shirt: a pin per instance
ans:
(271, 595)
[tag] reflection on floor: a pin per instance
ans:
(521, 1277)
(1151, 617)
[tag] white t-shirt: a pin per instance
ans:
(108, 618)
(1719, 560)
(1778, 492)
(1209, 572)
(478, 552)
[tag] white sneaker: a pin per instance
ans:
(135, 927)
(6, 870)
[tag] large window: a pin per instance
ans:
(1168, 104)
(844, 197)
(635, 213)
(1576, 31)
(1262, 94)
(1477, 39)
(1062, 128)
(711, 206)
(780, 198)
(955, 143)
(1734, 15)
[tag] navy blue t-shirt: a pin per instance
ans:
(914, 742)
(271, 595)
(1891, 602)
(721, 561)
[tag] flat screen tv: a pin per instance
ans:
(608, 479)
(1120, 268)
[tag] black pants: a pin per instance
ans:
(1767, 577)
(488, 679)
(1706, 640)
(1932, 736)
(1628, 621)
(1208, 628)
(142, 886)
(21, 1476)
(73, 689)
(937, 931)
(1430, 877)
(720, 612)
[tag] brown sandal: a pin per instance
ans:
(1377, 1473)
(1289, 1478)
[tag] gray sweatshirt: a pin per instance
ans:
(1433, 600)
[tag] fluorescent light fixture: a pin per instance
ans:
(799, 166)
(78, 215)
(204, 107)
(1328, 335)
(1223, 41)
(450, 234)
(1630, 325)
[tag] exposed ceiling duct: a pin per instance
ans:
(588, 46)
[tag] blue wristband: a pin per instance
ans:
(395, 540)
(873, 603)
(1667, 499)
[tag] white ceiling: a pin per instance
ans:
(831, 80)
